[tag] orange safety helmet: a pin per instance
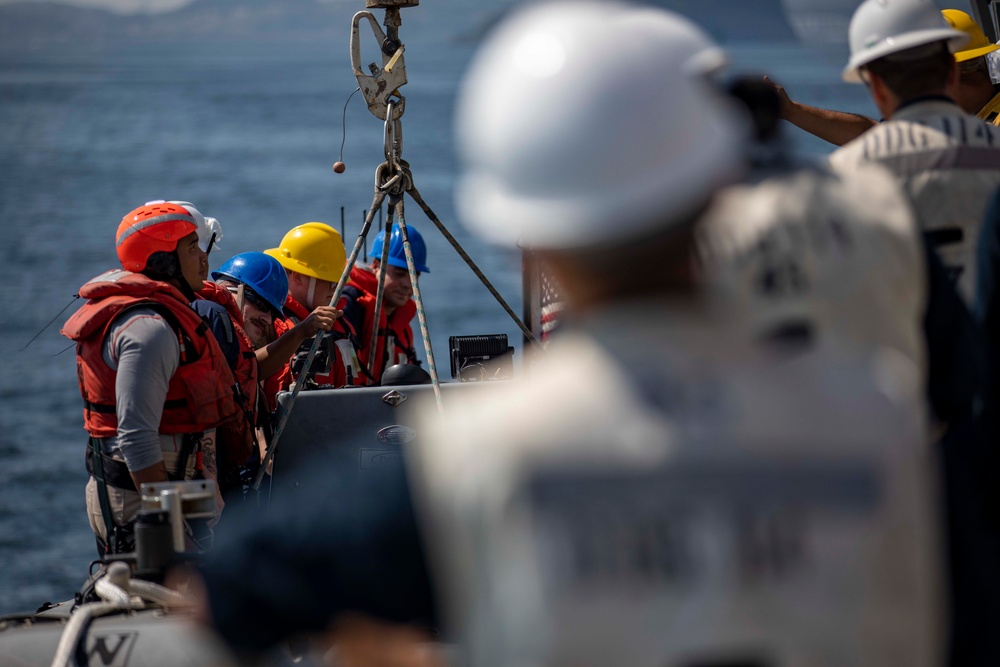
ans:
(149, 229)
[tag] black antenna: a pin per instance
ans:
(75, 297)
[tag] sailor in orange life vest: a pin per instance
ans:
(253, 287)
(395, 340)
(313, 257)
(154, 380)
(264, 291)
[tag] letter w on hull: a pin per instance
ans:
(110, 650)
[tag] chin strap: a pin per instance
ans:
(311, 294)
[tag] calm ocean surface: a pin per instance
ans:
(248, 135)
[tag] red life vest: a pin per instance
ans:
(395, 339)
(343, 366)
(200, 393)
(235, 439)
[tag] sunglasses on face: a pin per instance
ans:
(254, 299)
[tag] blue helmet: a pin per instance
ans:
(261, 273)
(396, 255)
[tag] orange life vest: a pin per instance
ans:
(235, 439)
(394, 344)
(200, 394)
(342, 368)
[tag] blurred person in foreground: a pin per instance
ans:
(807, 254)
(664, 491)
(947, 162)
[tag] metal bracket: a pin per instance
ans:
(394, 398)
(383, 83)
(190, 499)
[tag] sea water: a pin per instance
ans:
(248, 133)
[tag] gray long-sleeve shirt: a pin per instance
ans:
(143, 348)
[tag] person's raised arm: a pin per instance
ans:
(837, 127)
(273, 357)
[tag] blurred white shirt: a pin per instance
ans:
(798, 529)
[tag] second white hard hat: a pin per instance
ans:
(882, 27)
(209, 229)
(578, 125)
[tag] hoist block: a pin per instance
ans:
(386, 4)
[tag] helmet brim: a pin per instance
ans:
(955, 39)
(292, 264)
(276, 309)
(962, 56)
(401, 263)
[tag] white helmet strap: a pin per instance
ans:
(311, 294)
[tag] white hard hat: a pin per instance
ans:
(697, 53)
(209, 229)
(577, 125)
(882, 27)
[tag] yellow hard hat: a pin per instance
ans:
(979, 44)
(313, 249)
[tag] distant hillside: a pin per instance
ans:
(34, 26)
(38, 26)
